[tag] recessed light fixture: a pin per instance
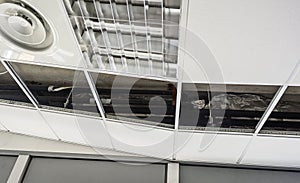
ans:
(129, 36)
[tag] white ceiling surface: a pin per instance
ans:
(17, 142)
(25, 121)
(214, 148)
(60, 123)
(10, 141)
(272, 151)
(296, 80)
(255, 42)
(149, 141)
(88, 131)
(65, 50)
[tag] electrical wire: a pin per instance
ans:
(2, 73)
(52, 88)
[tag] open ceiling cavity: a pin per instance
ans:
(285, 118)
(236, 108)
(230, 108)
(129, 36)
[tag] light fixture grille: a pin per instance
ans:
(131, 36)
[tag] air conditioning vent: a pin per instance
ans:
(24, 26)
(34, 31)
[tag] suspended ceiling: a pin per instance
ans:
(216, 45)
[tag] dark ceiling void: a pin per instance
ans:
(140, 100)
(10, 92)
(58, 89)
(224, 107)
(231, 108)
(285, 118)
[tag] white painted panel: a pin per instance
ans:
(144, 140)
(252, 41)
(214, 148)
(63, 52)
(2, 128)
(25, 121)
(273, 151)
(296, 80)
(94, 132)
(65, 126)
(78, 129)
(16, 142)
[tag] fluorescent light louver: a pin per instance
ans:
(128, 36)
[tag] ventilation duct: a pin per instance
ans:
(24, 26)
(32, 33)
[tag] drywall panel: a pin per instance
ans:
(273, 151)
(234, 41)
(2, 128)
(79, 129)
(17, 142)
(296, 80)
(65, 126)
(94, 131)
(25, 121)
(144, 140)
(213, 148)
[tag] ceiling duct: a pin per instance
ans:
(23, 25)
(32, 33)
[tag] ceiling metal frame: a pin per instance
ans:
(270, 109)
(27, 92)
(94, 91)
(172, 167)
(36, 104)
(277, 97)
(21, 83)
(24, 157)
(95, 94)
(181, 54)
(19, 169)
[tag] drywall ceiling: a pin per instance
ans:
(253, 42)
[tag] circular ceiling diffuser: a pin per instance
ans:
(24, 26)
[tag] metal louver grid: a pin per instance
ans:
(130, 36)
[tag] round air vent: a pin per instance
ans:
(24, 26)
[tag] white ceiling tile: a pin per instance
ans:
(251, 41)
